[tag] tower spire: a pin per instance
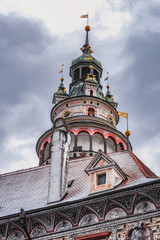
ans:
(109, 96)
(86, 49)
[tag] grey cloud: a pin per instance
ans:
(31, 58)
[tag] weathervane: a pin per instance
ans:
(85, 16)
(107, 79)
(61, 72)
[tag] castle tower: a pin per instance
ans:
(92, 117)
(89, 185)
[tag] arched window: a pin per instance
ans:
(97, 142)
(91, 93)
(91, 112)
(83, 141)
(110, 145)
(120, 147)
(85, 71)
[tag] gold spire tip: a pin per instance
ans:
(90, 67)
(127, 133)
(62, 79)
(108, 86)
(87, 28)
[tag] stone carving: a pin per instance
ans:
(115, 213)
(141, 198)
(3, 230)
(59, 218)
(72, 214)
(111, 205)
(136, 235)
(85, 211)
(126, 201)
(88, 220)
(38, 231)
(47, 220)
(98, 208)
(35, 223)
(144, 207)
(16, 236)
(62, 226)
(12, 228)
(155, 195)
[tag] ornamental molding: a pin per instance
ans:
(99, 227)
(145, 190)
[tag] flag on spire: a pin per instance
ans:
(84, 16)
(122, 114)
(106, 77)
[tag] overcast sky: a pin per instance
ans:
(36, 37)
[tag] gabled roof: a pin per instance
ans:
(100, 161)
(28, 188)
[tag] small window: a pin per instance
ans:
(101, 179)
(91, 93)
(76, 74)
(91, 112)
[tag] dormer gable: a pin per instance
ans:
(104, 173)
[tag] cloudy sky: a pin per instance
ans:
(37, 36)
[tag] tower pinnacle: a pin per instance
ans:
(86, 49)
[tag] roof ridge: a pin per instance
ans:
(144, 169)
(22, 170)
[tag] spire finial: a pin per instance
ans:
(62, 72)
(61, 89)
(109, 96)
(86, 47)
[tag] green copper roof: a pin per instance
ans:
(61, 90)
(100, 93)
(91, 79)
(109, 97)
(86, 58)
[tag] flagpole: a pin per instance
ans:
(62, 70)
(88, 18)
(127, 121)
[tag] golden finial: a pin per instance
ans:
(90, 67)
(108, 86)
(62, 79)
(87, 28)
(127, 133)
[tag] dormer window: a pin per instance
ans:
(104, 173)
(101, 179)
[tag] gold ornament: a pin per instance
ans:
(67, 113)
(127, 133)
(87, 28)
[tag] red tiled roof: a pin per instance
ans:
(147, 172)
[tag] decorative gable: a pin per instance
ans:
(104, 173)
